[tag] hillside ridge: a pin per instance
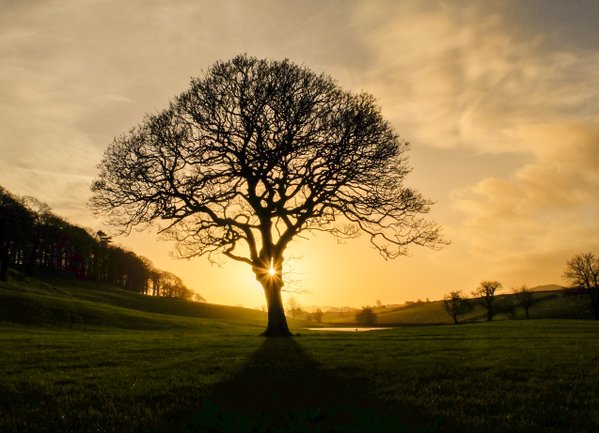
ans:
(72, 303)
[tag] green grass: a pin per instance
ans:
(518, 376)
(183, 373)
(88, 304)
(111, 380)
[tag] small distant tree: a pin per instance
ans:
(485, 295)
(456, 305)
(293, 307)
(169, 285)
(198, 298)
(524, 298)
(582, 271)
(366, 316)
(317, 315)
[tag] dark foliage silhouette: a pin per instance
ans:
(255, 153)
(15, 222)
(485, 295)
(524, 298)
(366, 316)
(582, 271)
(456, 305)
(316, 316)
(38, 243)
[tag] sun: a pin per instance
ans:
(271, 269)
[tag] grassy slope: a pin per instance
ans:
(548, 304)
(84, 304)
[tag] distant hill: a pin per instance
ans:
(87, 304)
(329, 308)
(547, 288)
(341, 314)
(550, 302)
(73, 303)
(431, 312)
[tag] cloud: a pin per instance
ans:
(74, 76)
(462, 77)
(563, 177)
(525, 225)
(454, 75)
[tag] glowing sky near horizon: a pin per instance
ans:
(500, 101)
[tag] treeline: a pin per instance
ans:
(39, 243)
(582, 271)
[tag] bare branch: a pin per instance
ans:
(257, 152)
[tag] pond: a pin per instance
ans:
(348, 329)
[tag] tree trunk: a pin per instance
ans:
(269, 275)
(455, 318)
(3, 267)
(277, 322)
(526, 309)
(594, 292)
(3, 259)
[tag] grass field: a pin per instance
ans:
(200, 374)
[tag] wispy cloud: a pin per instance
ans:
(464, 77)
(546, 206)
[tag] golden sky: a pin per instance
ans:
(500, 101)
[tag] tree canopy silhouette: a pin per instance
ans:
(36, 242)
(582, 271)
(487, 298)
(254, 153)
(455, 304)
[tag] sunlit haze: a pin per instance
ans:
(499, 101)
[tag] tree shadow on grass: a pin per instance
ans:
(281, 389)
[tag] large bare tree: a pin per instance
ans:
(255, 153)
